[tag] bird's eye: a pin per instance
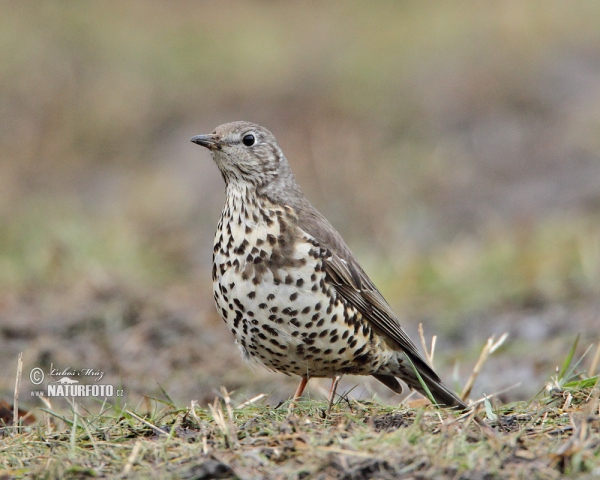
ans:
(248, 140)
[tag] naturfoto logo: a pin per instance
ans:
(69, 383)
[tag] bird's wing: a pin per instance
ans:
(354, 285)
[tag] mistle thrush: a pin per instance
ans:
(287, 285)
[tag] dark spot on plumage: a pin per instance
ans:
(345, 334)
(295, 322)
(334, 339)
(313, 277)
(293, 296)
(314, 288)
(259, 241)
(250, 314)
(362, 359)
(224, 313)
(262, 306)
(248, 229)
(271, 296)
(360, 350)
(254, 321)
(254, 330)
(295, 333)
(315, 317)
(270, 330)
(272, 317)
(308, 340)
(341, 350)
(257, 260)
(318, 306)
(273, 309)
(323, 333)
(249, 258)
(254, 251)
(252, 295)
(356, 328)
(329, 309)
(239, 304)
(271, 239)
(321, 322)
(305, 310)
(289, 280)
(308, 325)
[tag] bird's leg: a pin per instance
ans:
(298, 393)
(334, 384)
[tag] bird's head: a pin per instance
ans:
(248, 154)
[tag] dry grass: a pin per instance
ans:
(359, 439)
(554, 435)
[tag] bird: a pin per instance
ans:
(289, 288)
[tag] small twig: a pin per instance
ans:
(252, 400)
(46, 401)
(16, 394)
(132, 457)
(231, 425)
(428, 356)
(193, 412)
(73, 437)
(334, 385)
(223, 425)
(595, 362)
(153, 427)
(486, 351)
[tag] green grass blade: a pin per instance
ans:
(421, 381)
(568, 360)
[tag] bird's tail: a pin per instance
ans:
(442, 395)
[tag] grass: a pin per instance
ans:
(555, 434)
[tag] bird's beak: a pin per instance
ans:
(212, 142)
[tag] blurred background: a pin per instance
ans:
(456, 147)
